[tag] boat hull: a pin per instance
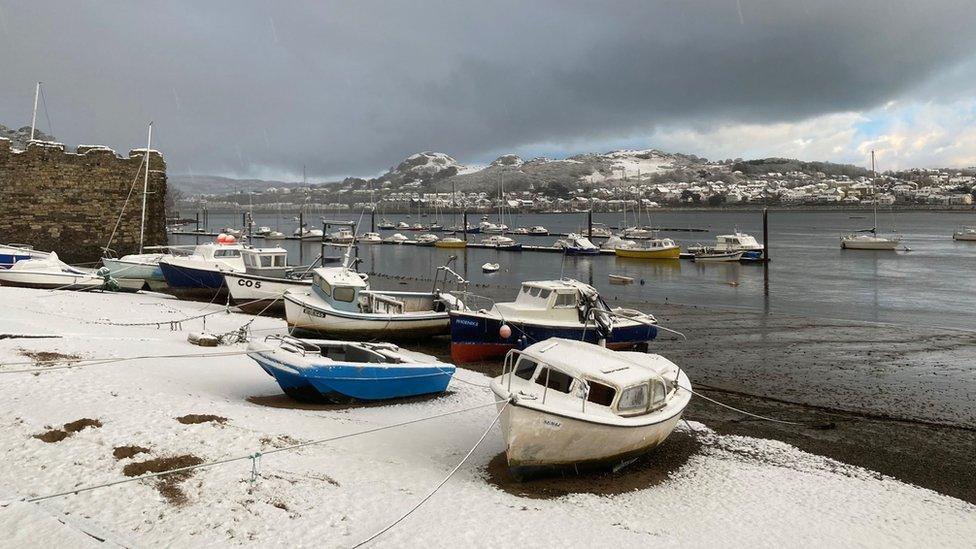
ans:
(540, 441)
(130, 269)
(673, 252)
(869, 245)
(477, 337)
(194, 283)
(453, 245)
(310, 317)
(581, 251)
(966, 237)
(260, 294)
(340, 382)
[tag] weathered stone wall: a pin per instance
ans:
(70, 202)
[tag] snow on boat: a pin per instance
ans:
(337, 371)
(539, 230)
(50, 273)
(340, 303)
(427, 239)
(267, 276)
(545, 309)
(202, 273)
(573, 404)
(370, 238)
(395, 238)
(490, 267)
(575, 244)
(499, 242)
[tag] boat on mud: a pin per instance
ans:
(340, 303)
(339, 371)
(50, 273)
(542, 310)
(569, 404)
(12, 253)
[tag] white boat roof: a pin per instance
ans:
(563, 284)
(341, 276)
(614, 368)
(278, 250)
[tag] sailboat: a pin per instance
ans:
(869, 239)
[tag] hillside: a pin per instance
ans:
(19, 137)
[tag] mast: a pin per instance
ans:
(874, 191)
(37, 91)
(145, 188)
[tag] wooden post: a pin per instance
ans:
(765, 234)
(322, 245)
(198, 222)
(589, 223)
(372, 221)
(464, 226)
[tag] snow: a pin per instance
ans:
(736, 491)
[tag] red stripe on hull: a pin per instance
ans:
(474, 352)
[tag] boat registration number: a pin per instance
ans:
(312, 312)
(551, 424)
(249, 283)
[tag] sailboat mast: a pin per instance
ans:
(37, 91)
(145, 190)
(874, 191)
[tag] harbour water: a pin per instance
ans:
(931, 285)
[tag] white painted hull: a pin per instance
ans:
(880, 244)
(966, 237)
(257, 293)
(62, 281)
(314, 318)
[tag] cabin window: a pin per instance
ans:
(565, 300)
(279, 260)
(248, 261)
(525, 289)
(600, 394)
(633, 399)
(525, 368)
(544, 294)
(554, 379)
(344, 293)
(534, 292)
(266, 260)
(658, 394)
(325, 287)
(227, 253)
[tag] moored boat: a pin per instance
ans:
(451, 242)
(427, 239)
(735, 242)
(573, 404)
(539, 230)
(337, 371)
(395, 238)
(965, 234)
(869, 240)
(490, 267)
(575, 244)
(370, 238)
(499, 242)
(12, 253)
(50, 273)
(710, 255)
(654, 248)
(544, 309)
(201, 275)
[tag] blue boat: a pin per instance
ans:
(575, 244)
(12, 253)
(202, 273)
(339, 371)
(566, 309)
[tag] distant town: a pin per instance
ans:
(434, 182)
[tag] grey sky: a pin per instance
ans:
(261, 88)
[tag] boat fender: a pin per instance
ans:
(505, 331)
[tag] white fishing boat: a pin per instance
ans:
(308, 234)
(385, 224)
(395, 238)
(403, 226)
(266, 278)
(539, 230)
(201, 274)
(427, 239)
(638, 233)
(262, 231)
(521, 230)
(736, 242)
(341, 304)
(342, 237)
(50, 273)
(488, 227)
(710, 255)
(967, 233)
(370, 238)
(578, 405)
(490, 267)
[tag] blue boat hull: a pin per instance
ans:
(581, 251)
(190, 283)
(477, 338)
(341, 382)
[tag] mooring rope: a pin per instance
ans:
(442, 482)
(82, 362)
(257, 455)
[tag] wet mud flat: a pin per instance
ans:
(899, 397)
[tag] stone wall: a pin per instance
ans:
(70, 202)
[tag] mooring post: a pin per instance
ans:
(322, 244)
(589, 224)
(765, 234)
(464, 227)
(372, 221)
(198, 221)
(301, 234)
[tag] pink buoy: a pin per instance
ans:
(221, 238)
(230, 239)
(505, 331)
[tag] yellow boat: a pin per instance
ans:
(451, 242)
(656, 248)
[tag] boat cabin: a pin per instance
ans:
(270, 262)
(547, 300)
(339, 287)
(736, 242)
(224, 255)
(574, 376)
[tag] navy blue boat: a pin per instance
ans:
(339, 371)
(575, 244)
(202, 274)
(565, 309)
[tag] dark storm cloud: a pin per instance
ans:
(254, 89)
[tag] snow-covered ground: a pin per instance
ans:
(735, 491)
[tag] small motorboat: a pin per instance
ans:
(597, 230)
(575, 244)
(340, 371)
(231, 231)
(340, 303)
(385, 224)
(141, 266)
(308, 234)
(521, 230)
(735, 242)
(451, 242)
(201, 275)
(539, 230)
(499, 242)
(275, 235)
(436, 227)
(50, 273)
(488, 227)
(265, 279)
(418, 227)
(370, 238)
(543, 309)
(395, 238)
(403, 225)
(965, 234)
(711, 255)
(490, 267)
(570, 404)
(341, 237)
(427, 239)
(654, 248)
(638, 233)
(620, 279)
(262, 231)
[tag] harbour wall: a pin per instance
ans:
(69, 202)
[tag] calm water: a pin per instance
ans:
(934, 284)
